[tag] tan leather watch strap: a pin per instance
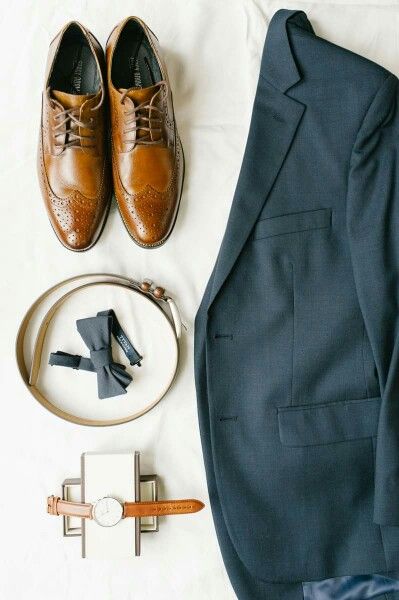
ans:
(161, 508)
(156, 295)
(56, 506)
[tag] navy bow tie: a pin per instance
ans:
(112, 377)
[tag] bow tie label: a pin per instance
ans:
(130, 351)
(124, 342)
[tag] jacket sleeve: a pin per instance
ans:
(373, 229)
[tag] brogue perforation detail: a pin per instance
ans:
(68, 212)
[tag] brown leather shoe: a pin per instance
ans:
(73, 164)
(147, 156)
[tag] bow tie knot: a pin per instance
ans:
(101, 358)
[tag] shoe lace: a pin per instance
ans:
(70, 118)
(145, 118)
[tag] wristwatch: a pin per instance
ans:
(108, 511)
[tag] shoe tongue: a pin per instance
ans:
(139, 95)
(71, 100)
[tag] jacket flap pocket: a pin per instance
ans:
(327, 423)
(310, 219)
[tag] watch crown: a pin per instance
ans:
(52, 502)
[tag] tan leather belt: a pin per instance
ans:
(156, 295)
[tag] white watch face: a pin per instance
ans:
(107, 512)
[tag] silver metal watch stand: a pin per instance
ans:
(148, 483)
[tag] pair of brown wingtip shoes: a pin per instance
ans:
(87, 95)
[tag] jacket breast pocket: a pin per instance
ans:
(293, 223)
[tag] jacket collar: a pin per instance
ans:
(278, 64)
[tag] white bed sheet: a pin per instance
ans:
(213, 50)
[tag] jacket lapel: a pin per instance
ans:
(273, 125)
(275, 119)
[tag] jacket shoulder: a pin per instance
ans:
(336, 62)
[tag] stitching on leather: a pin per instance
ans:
(167, 506)
(118, 183)
(172, 179)
(170, 508)
(101, 198)
(54, 197)
(43, 172)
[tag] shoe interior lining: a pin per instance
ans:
(134, 63)
(75, 69)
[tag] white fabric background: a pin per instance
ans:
(213, 49)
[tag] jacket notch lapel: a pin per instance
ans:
(274, 122)
(275, 119)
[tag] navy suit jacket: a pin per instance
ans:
(297, 335)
